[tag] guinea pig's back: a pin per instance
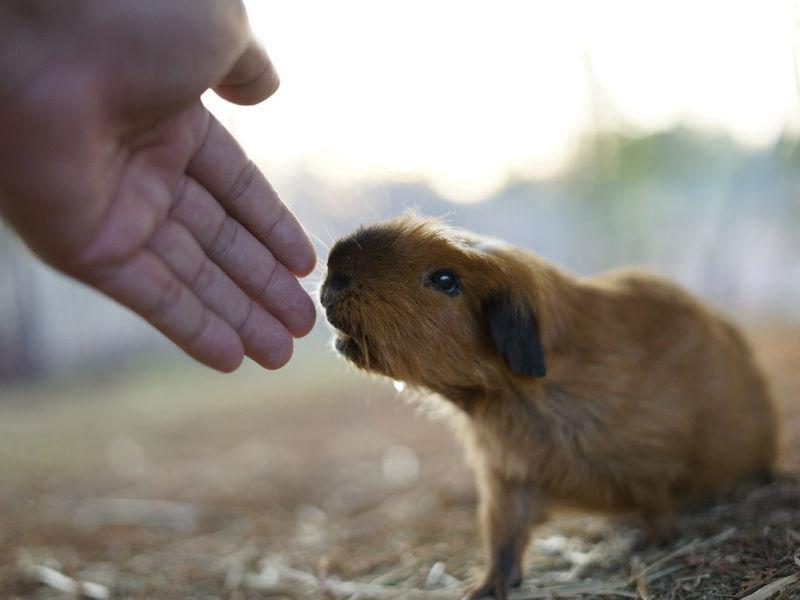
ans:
(740, 414)
(699, 363)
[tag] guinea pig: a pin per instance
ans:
(620, 392)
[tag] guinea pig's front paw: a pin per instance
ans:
(494, 586)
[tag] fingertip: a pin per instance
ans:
(286, 356)
(306, 317)
(278, 355)
(306, 262)
(289, 302)
(267, 341)
(291, 244)
(252, 79)
(228, 364)
(221, 349)
(249, 95)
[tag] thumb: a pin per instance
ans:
(251, 79)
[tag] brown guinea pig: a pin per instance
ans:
(618, 392)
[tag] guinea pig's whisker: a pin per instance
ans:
(325, 245)
(312, 287)
(314, 278)
(319, 266)
(364, 350)
(331, 236)
(313, 281)
(362, 340)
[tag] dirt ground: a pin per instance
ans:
(316, 483)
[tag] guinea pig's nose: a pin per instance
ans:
(335, 283)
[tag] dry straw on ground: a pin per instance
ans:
(354, 500)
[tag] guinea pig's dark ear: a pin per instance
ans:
(514, 332)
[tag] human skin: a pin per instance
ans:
(113, 172)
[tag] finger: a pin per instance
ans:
(239, 254)
(223, 169)
(148, 287)
(252, 79)
(265, 339)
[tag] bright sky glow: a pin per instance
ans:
(462, 93)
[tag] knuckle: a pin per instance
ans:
(225, 238)
(204, 279)
(179, 194)
(170, 295)
(283, 210)
(242, 183)
(270, 281)
(197, 330)
(246, 319)
(282, 353)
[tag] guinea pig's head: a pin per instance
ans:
(435, 307)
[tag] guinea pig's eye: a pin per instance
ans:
(445, 281)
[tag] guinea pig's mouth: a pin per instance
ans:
(348, 347)
(345, 341)
(348, 341)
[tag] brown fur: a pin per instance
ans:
(650, 398)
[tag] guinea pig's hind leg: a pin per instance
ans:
(509, 510)
(659, 529)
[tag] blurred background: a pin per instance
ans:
(665, 135)
(647, 133)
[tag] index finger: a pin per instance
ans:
(221, 167)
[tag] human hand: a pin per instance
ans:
(112, 171)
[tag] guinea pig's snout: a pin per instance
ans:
(338, 282)
(333, 287)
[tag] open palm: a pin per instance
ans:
(118, 176)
